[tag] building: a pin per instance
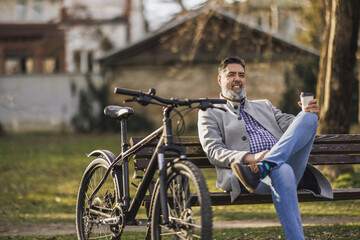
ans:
(46, 47)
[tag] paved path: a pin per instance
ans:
(63, 229)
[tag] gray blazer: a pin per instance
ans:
(224, 139)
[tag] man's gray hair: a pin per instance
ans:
(228, 61)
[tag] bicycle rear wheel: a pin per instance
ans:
(189, 205)
(90, 215)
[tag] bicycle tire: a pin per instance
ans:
(106, 200)
(187, 186)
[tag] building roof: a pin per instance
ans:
(152, 41)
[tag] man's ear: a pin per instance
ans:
(219, 80)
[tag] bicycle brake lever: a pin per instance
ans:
(205, 105)
(141, 100)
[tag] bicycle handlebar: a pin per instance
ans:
(146, 98)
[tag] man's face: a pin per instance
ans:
(232, 81)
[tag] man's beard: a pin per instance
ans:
(233, 95)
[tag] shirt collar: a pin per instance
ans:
(242, 102)
(234, 103)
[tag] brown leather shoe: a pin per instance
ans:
(249, 175)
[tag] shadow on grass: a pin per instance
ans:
(322, 232)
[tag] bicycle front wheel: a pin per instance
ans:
(92, 217)
(189, 205)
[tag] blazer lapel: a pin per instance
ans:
(262, 119)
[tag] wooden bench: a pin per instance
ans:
(327, 150)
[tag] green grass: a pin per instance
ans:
(40, 173)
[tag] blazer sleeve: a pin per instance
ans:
(283, 119)
(212, 142)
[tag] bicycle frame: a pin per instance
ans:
(157, 161)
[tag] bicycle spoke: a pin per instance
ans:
(185, 223)
(171, 233)
(90, 214)
(176, 199)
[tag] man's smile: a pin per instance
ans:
(236, 86)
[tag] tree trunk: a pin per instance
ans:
(336, 78)
(2, 131)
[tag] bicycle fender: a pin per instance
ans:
(116, 173)
(109, 156)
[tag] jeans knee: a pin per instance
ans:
(313, 122)
(309, 121)
(283, 176)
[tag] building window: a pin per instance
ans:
(77, 60)
(12, 66)
(37, 10)
(90, 62)
(19, 61)
(49, 65)
(29, 65)
(20, 10)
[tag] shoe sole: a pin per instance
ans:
(238, 174)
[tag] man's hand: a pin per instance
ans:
(254, 158)
(311, 107)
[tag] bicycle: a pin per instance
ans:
(180, 206)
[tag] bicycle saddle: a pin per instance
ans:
(118, 113)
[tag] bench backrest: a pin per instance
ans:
(327, 150)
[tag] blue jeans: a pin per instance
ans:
(290, 154)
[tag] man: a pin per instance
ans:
(256, 144)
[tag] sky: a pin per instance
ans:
(158, 12)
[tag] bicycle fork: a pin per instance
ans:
(162, 165)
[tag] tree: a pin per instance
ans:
(313, 16)
(336, 78)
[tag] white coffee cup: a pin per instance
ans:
(305, 98)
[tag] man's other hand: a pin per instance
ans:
(311, 107)
(251, 158)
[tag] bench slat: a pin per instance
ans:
(191, 151)
(334, 159)
(336, 148)
(319, 149)
(337, 138)
(141, 164)
(221, 198)
(303, 196)
(324, 138)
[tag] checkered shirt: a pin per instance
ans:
(259, 138)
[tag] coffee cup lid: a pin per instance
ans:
(306, 94)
